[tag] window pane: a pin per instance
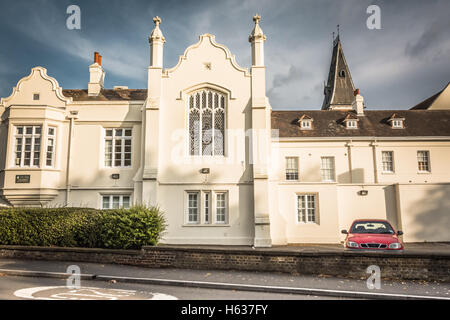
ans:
(207, 196)
(327, 168)
(423, 160)
(116, 202)
(306, 208)
(387, 160)
(105, 202)
(126, 202)
(193, 207)
(220, 207)
(291, 168)
(118, 150)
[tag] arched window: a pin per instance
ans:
(206, 118)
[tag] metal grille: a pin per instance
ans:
(206, 123)
(194, 132)
(373, 245)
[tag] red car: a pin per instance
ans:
(372, 234)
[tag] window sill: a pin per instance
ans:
(31, 169)
(307, 223)
(206, 225)
(388, 172)
(423, 172)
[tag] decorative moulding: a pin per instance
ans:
(43, 73)
(211, 39)
(203, 85)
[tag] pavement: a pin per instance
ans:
(261, 282)
(422, 248)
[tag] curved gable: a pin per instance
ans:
(205, 51)
(37, 82)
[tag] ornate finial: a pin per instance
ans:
(156, 33)
(257, 33)
(338, 30)
(157, 20)
(333, 36)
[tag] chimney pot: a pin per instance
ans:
(96, 57)
(100, 60)
(356, 92)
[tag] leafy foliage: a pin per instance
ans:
(82, 227)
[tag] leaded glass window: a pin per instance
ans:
(206, 123)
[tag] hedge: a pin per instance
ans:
(82, 227)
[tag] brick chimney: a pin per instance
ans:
(96, 76)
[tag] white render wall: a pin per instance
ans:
(162, 172)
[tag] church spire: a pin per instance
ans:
(339, 89)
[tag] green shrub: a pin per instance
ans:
(82, 227)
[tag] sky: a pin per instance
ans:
(395, 67)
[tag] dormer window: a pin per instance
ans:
(351, 121)
(396, 122)
(342, 73)
(352, 124)
(305, 122)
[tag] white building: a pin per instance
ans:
(203, 143)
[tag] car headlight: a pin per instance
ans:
(395, 245)
(352, 244)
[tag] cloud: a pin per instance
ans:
(434, 42)
(293, 75)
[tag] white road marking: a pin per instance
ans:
(85, 293)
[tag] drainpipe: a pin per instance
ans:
(349, 153)
(73, 115)
(374, 145)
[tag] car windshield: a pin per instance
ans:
(378, 227)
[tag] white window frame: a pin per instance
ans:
(225, 207)
(201, 207)
(332, 169)
(397, 124)
(22, 151)
(207, 206)
(50, 137)
(306, 124)
(123, 145)
(427, 158)
(292, 174)
(111, 201)
(314, 208)
(385, 161)
(352, 124)
(189, 206)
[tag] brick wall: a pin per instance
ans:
(340, 264)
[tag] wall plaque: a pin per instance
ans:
(22, 178)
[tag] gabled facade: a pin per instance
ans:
(203, 143)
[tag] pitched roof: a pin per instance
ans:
(339, 88)
(329, 123)
(427, 103)
(107, 95)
